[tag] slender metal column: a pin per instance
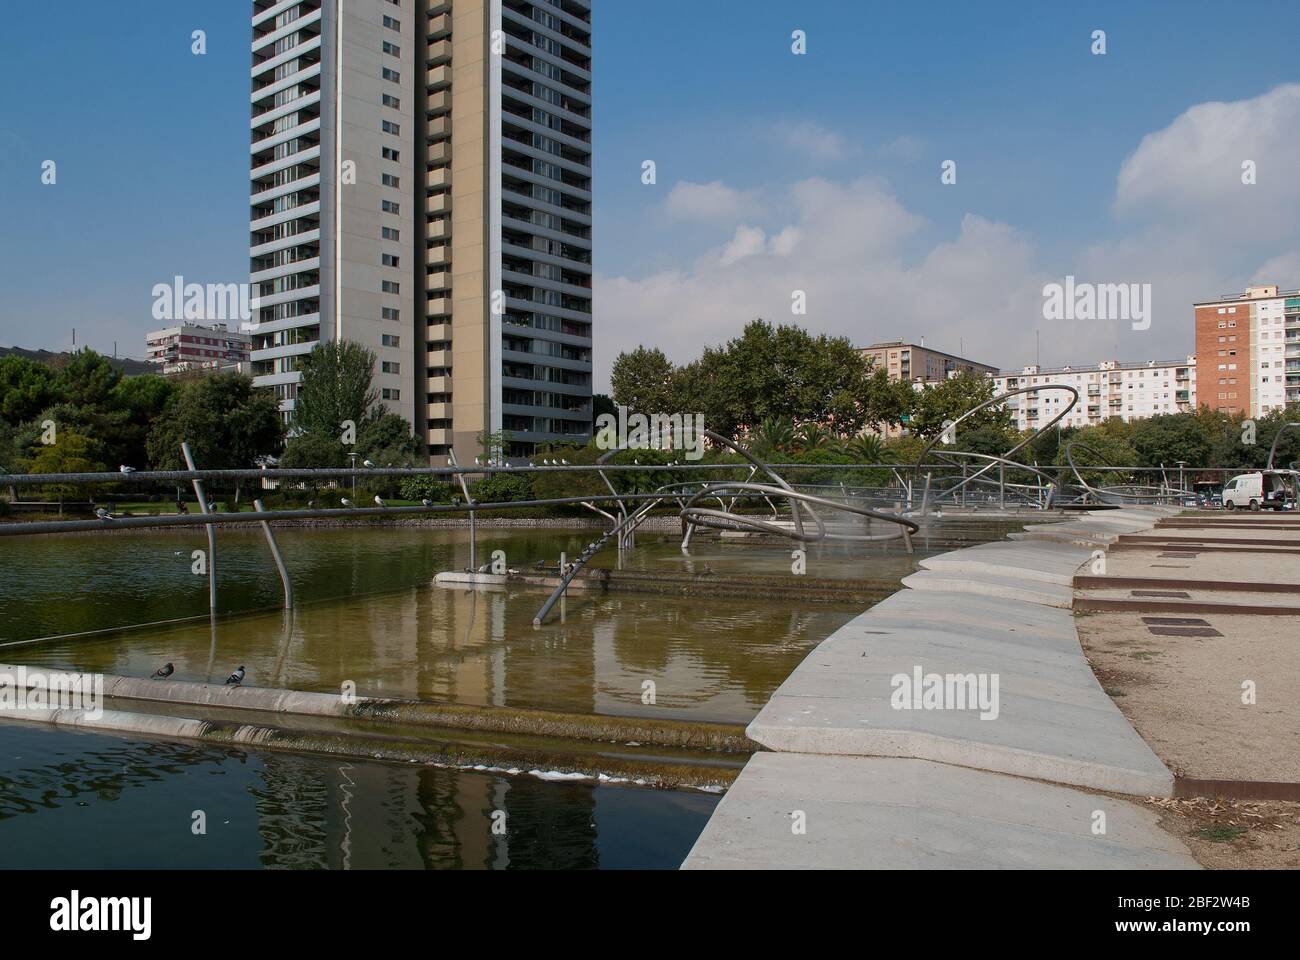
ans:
(212, 531)
(275, 553)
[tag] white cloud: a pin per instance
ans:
(844, 249)
(708, 202)
(812, 140)
(1185, 224)
(1191, 171)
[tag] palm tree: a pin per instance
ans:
(772, 435)
(866, 448)
(812, 436)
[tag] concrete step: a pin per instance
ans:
(1052, 719)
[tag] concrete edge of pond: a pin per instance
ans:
(994, 795)
(693, 735)
(543, 764)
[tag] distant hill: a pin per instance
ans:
(128, 366)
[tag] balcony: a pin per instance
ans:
(438, 358)
(438, 411)
(438, 203)
(439, 77)
(438, 178)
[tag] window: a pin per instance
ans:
(390, 206)
(392, 49)
(391, 261)
(391, 154)
(391, 313)
(391, 340)
(391, 286)
(392, 394)
(390, 366)
(390, 233)
(391, 181)
(389, 127)
(392, 24)
(391, 101)
(392, 75)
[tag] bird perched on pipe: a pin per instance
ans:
(166, 670)
(346, 502)
(103, 514)
(379, 501)
(236, 678)
(367, 463)
(127, 470)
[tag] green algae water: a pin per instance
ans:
(369, 615)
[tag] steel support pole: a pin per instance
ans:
(275, 554)
(212, 531)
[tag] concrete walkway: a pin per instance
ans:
(934, 782)
(889, 814)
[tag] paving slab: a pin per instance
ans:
(883, 813)
(1052, 719)
(1042, 561)
(988, 581)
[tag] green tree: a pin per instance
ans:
(885, 402)
(86, 379)
(26, 388)
(1168, 438)
(70, 453)
(642, 381)
(227, 423)
(337, 386)
(949, 400)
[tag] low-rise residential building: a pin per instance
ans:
(191, 346)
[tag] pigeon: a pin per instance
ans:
(379, 501)
(346, 502)
(426, 503)
(166, 670)
(236, 678)
(127, 470)
(367, 463)
(103, 514)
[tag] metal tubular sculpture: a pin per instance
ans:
(1125, 493)
(1005, 459)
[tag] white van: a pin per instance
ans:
(1255, 490)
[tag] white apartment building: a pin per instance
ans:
(1130, 391)
(421, 184)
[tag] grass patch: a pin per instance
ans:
(1220, 834)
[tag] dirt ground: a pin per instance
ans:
(1235, 834)
(1185, 697)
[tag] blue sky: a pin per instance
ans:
(819, 172)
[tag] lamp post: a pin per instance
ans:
(352, 455)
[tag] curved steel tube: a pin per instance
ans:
(1001, 398)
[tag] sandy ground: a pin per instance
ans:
(1247, 568)
(1184, 696)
